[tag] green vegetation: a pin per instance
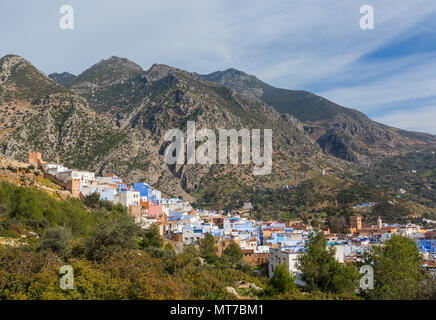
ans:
(208, 249)
(232, 254)
(281, 282)
(57, 239)
(151, 238)
(398, 270)
(322, 272)
(111, 256)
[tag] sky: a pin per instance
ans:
(388, 73)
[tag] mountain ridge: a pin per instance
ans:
(342, 132)
(114, 116)
(139, 109)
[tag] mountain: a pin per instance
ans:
(112, 119)
(38, 114)
(146, 104)
(107, 72)
(342, 132)
(20, 81)
(62, 78)
(305, 106)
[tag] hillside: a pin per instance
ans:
(112, 119)
(40, 233)
(62, 78)
(163, 97)
(122, 128)
(17, 81)
(414, 172)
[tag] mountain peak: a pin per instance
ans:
(108, 71)
(12, 58)
(158, 71)
(61, 78)
(20, 80)
(240, 81)
(8, 65)
(229, 74)
(115, 60)
(235, 72)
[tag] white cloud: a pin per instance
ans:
(404, 79)
(419, 119)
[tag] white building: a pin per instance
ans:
(408, 230)
(182, 206)
(192, 235)
(127, 198)
(289, 254)
(53, 169)
(83, 176)
(248, 244)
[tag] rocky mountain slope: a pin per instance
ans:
(38, 114)
(342, 132)
(112, 118)
(62, 78)
(20, 81)
(122, 128)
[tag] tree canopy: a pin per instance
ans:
(398, 270)
(322, 272)
(233, 253)
(208, 249)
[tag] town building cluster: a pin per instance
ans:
(263, 243)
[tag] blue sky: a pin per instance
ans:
(316, 45)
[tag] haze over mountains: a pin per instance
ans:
(112, 118)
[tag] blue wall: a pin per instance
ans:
(107, 194)
(144, 189)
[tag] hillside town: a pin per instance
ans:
(263, 243)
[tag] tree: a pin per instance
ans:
(92, 200)
(189, 255)
(397, 269)
(58, 240)
(336, 224)
(208, 249)
(233, 253)
(282, 281)
(111, 237)
(168, 247)
(322, 272)
(338, 218)
(151, 238)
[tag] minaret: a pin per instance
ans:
(379, 223)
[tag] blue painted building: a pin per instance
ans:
(246, 226)
(427, 245)
(107, 194)
(145, 190)
(156, 196)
